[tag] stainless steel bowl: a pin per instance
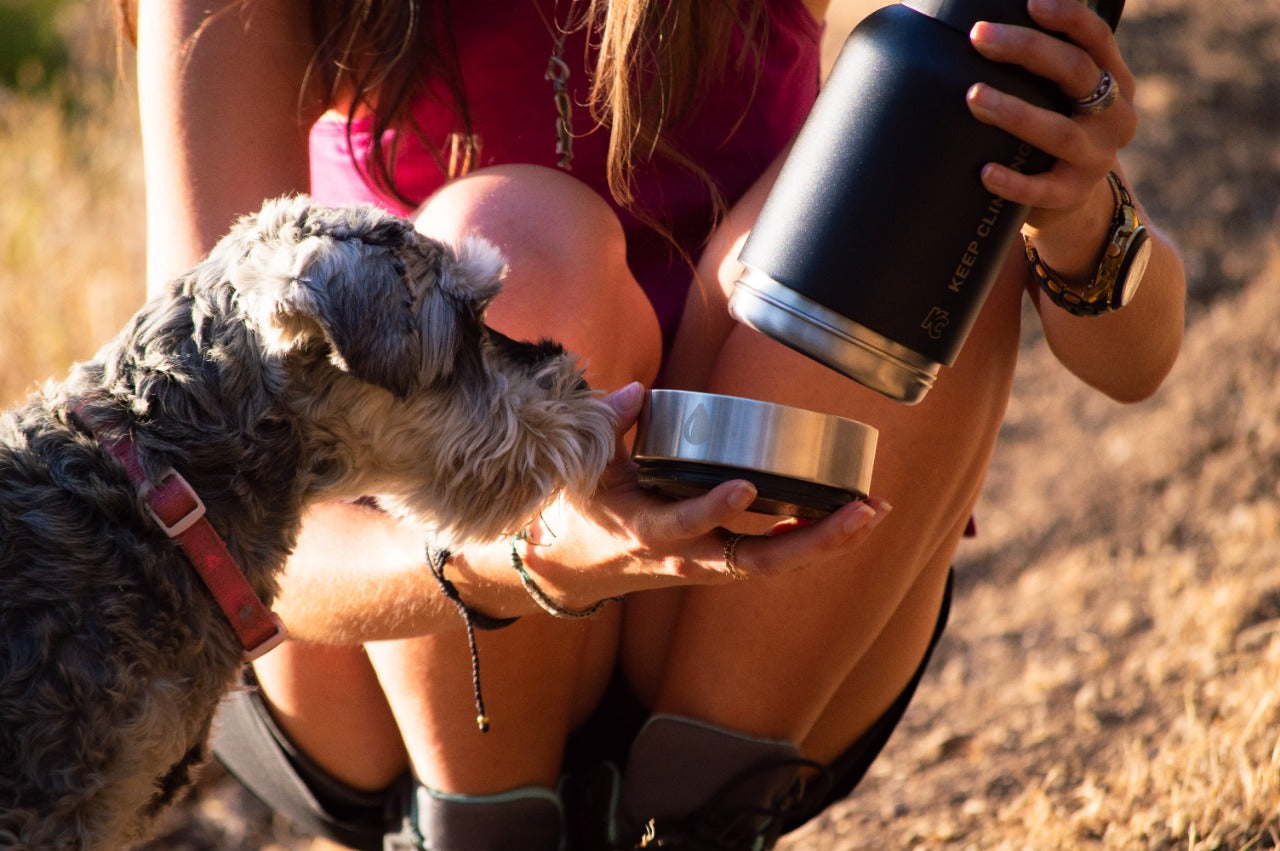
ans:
(803, 463)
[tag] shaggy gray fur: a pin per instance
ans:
(316, 354)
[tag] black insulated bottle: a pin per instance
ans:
(878, 244)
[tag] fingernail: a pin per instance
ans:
(983, 100)
(865, 517)
(984, 32)
(742, 496)
(880, 505)
(994, 179)
(626, 400)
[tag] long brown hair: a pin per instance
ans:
(654, 58)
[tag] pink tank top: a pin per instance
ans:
(504, 49)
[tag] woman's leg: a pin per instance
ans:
(568, 277)
(326, 699)
(567, 281)
(808, 630)
(814, 658)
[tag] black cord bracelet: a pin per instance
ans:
(437, 558)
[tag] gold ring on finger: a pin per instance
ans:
(730, 549)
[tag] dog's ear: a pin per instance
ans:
(342, 277)
(477, 276)
(455, 290)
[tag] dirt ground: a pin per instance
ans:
(1109, 679)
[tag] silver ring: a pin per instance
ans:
(1100, 99)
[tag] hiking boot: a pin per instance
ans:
(694, 786)
(524, 819)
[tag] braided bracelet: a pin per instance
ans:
(540, 597)
(437, 558)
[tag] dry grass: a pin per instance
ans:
(71, 222)
(1111, 678)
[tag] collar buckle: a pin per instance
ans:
(168, 495)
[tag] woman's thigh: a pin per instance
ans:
(769, 657)
(326, 699)
(567, 281)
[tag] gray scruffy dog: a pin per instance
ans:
(317, 353)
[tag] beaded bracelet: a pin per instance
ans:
(540, 597)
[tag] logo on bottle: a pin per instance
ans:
(697, 428)
(936, 322)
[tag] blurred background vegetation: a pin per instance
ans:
(71, 221)
(32, 50)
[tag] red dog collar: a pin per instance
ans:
(180, 513)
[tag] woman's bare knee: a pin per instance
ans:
(527, 210)
(567, 276)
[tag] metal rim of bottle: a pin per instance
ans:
(851, 349)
